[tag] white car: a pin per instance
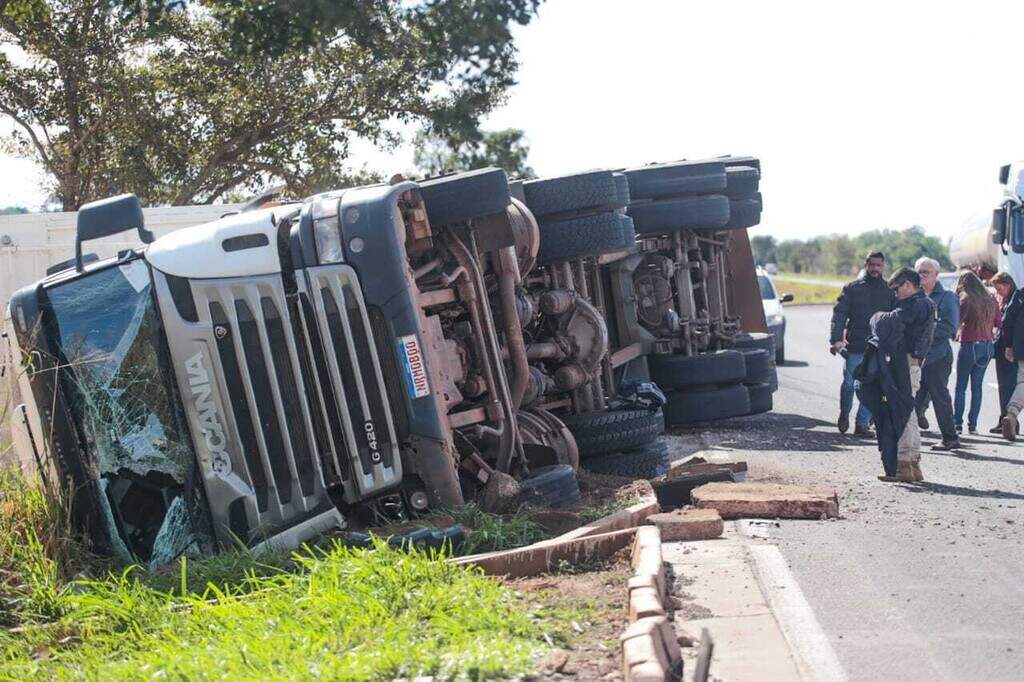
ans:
(774, 315)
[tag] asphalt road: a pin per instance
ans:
(915, 581)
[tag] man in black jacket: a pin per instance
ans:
(859, 300)
(890, 375)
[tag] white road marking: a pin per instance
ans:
(810, 646)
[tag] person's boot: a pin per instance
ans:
(843, 423)
(904, 472)
(916, 470)
(885, 478)
(1009, 427)
(863, 431)
(997, 429)
(947, 445)
(922, 422)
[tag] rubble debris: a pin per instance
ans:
(681, 469)
(501, 494)
(767, 500)
(676, 493)
(689, 524)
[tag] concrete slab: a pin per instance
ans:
(689, 524)
(767, 500)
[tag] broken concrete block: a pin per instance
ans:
(663, 639)
(689, 524)
(643, 648)
(647, 672)
(644, 602)
(767, 500)
(677, 492)
(678, 469)
(646, 536)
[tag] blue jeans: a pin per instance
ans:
(971, 363)
(846, 391)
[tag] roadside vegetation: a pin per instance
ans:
(327, 611)
(808, 290)
(843, 256)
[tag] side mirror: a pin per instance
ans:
(1004, 174)
(999, 219)
(107, 217)
(786, 298)
(1015, 229)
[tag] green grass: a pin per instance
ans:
(488, 532)
(332, 612)
(804, 292)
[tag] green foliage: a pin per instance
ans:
(13, 210)
(185, 105)
(490, 532)
(844, 255)
(505, 149)
(343, 614)
(331, 612)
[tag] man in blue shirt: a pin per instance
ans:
(938, 364)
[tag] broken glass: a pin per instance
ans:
(127, 408)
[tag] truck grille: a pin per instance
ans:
(297, 385)
(348, 362)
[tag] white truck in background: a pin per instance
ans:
(987, 247)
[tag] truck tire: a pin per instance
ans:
(760, 365)
(584, 236)
(457, 198)
(701, 405)
(550, 486)
(674, 179)
(760, 398)
(754, 340)
(595, 191)
(780, 353)
(648, 462)
(744, 212)
(601, 433)
(683, 371)
(669, 215)
(741, 180)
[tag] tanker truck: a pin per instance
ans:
(987, 247)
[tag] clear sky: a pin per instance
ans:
(865, 115)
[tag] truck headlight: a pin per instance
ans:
(776, 319)
(328, 240)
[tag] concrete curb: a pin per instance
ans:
(650, 651)
(540, 558)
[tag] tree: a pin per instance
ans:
(763, 247)
(167, 104)
(505, 149)
(13, 210)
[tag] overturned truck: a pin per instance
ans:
(355, 358)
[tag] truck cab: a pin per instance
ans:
(281, 372)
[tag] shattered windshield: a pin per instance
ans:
(127, 409)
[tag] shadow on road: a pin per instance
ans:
(795, 363)
(972, 457)
(961, 491)
(779, 431)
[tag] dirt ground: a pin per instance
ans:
(598, 595)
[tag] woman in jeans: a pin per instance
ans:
(979, 316)
(1006, 371)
